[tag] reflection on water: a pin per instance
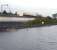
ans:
(40, 38)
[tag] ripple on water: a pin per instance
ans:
(52, 43)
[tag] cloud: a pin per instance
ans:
(32, 5)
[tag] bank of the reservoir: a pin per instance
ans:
(44, 21)
(21, 22)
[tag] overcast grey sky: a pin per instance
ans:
(45, 7)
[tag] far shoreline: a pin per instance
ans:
(38, 26)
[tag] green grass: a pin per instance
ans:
(38, 21)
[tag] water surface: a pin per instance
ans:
(39, 38)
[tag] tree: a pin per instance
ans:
(54, 16)
(4, 12)
(49, 17)
(16, 13)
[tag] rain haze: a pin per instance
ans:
(44, 7)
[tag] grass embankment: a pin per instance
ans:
(38, 22)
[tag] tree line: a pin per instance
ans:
(54, 16)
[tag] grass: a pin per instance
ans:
(38, 22)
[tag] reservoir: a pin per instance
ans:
(37, 38)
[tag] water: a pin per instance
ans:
(39, 38)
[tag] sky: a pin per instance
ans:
(44, 7)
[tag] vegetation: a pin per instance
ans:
(5, 13)
(40, 19)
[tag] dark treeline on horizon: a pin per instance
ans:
(5, 13)
(39, 19)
